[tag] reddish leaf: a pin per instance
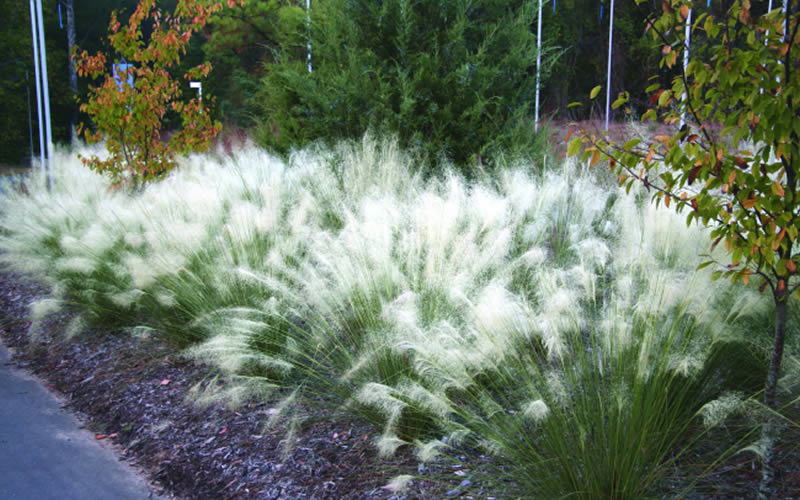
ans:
(693, 174)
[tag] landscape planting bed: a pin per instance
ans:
(134, 392)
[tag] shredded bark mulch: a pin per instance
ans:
(133, 393)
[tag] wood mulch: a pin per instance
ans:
(133, 393)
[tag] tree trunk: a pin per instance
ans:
(73, 74)
(771, 425)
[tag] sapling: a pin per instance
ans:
(733, 164)
(128, 108)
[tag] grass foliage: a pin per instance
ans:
(543, 318)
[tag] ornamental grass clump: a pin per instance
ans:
(541, 317)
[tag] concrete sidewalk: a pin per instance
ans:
(45, 455)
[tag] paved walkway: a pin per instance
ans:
(45, 455)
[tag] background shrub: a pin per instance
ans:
(444, 76)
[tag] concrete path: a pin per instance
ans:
(45, 455)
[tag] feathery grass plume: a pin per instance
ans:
(41, 309)
(536, 410)
(398, 484)
(76, 326)
(76, 265)
(717, 411)
(388, 443)
(429, 450)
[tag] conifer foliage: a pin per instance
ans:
(444, 76)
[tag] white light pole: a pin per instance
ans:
(538, 64)
(46, 92)
(38, 85)
(610, 45)
(308, 32)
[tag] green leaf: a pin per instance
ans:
(631, 144)
(574, 146)
(595, 91)
(664, 98)
(705, 264)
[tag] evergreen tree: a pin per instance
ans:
(452, 76)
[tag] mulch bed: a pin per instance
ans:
(133, 393)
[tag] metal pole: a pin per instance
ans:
(38, 85)
(785, 31)
(30, 119)
(687, 41)
(46, 95)
(538, 64)
(610, 46)
(308, 32)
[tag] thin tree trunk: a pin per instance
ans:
(73, 74)
(771, 426)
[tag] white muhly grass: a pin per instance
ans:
(71, 244)
(686, 364)
(536, 410)
(790, 382)
(75, 327)
(231, 351)
(126, 299)
(561, 312)
(44, 307)
(534, 257)
(166, 299)
(402, 312)
(593, 252)
(39, 311)
(232, 394)
(558, 391)
(428, 451)
(269, 216)
(388, 444)
(98, 239)
(717, 411)
(142, 273)
(76, 264)
(435, 404)
(498, 313)
(279, 411)
(242, 222)
(381, 397)
(399, 483)
(615, 328)
(134, 239)
(748, 303)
